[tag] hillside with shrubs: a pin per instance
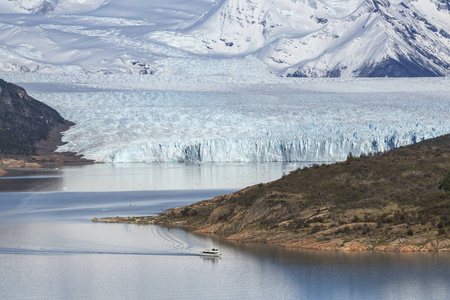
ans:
(394, 201)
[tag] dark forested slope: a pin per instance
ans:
(25, 121)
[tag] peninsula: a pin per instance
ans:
(394, 201)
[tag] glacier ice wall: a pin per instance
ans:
(251, 122)
(259, 149)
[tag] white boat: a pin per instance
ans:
(213, 252)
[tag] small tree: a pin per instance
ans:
(445, 184)
(349, 158)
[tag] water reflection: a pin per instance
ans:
(136, 177)
(309, 274)
(20, 180)
(210, 260)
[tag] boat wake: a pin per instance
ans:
(49, 252)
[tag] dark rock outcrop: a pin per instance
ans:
(27, 125)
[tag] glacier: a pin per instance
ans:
(203, 119)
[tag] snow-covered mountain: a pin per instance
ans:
(305, 38)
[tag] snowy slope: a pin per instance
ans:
(102, 37)
(49, 6)
(242, 27)
(378, 39)
(314, 38)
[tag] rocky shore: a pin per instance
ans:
(54, 160)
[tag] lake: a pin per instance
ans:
(49, 249)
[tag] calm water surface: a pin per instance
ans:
(49, 249)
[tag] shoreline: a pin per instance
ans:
(48, 161)
(289, 239)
